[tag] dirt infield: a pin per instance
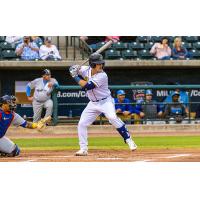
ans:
(140, 155)
(153, 155)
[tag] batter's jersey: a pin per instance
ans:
(42, 92)
(100, 80)
(6, 119)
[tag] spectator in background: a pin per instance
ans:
(175, 112)
(179, 52)
(37, 40)
(161, 50)
(113, 38)
(150, 109)
(92, 41)
(138, 99)
(122, 104)
(14, 40)
(48, 51)
(27, 50)
(183, 97)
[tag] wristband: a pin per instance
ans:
(77, 79)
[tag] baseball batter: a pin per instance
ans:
(42, 95)
(8, 117)
(94, 80)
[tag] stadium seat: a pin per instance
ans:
(2, 38)
(136, 46)
(171, 38)
(145, 54)
(190, 39)
(195, 54)
(143, 39)
(120, 46)
(8, 54)
(112, 54)
(149, 45)
(196, 45)
(188, 46)
(156, 38)
(39, 44)
(100, 44)
(171, 45)
(128, 39)
(6, 46)
(129, 54)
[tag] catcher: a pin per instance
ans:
(8, 117)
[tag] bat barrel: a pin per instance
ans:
(104, 47)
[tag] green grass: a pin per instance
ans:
(110, 143)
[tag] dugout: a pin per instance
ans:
(119, 72)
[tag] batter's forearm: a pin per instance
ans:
(80, 81)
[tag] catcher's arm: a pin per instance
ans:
(40, 125)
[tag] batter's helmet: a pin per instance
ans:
(10, 100)
(96, 58)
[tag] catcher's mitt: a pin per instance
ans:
(41, 125)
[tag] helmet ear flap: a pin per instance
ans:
(93, 65)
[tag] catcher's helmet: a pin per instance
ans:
(10, 100)
(96, 58)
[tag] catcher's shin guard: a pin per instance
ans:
(14, 153)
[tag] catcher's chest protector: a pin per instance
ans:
(5, 121)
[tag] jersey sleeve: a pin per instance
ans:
(33, 83)
(55, 82)
(17, 120)
(99, 79)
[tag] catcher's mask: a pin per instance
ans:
(96, 58)
(10, 100)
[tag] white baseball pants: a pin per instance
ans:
(89, 115)
(37, 109)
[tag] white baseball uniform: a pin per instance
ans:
(42, 97)
(100, 102)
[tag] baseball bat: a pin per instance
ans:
(100, 50)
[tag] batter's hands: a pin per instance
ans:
(73, 70)
(30, 99)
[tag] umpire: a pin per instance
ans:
(43, 88)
